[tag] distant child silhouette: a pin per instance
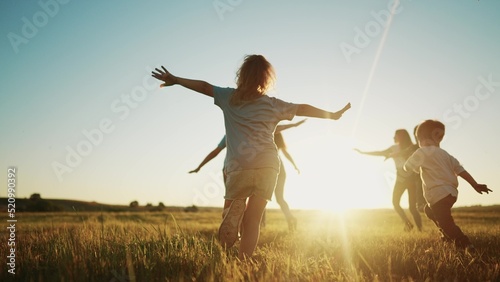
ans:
(404, 180)
(439, 171)
(279, 191)
(252, 163)
(419, 196)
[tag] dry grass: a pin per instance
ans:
(356, 246)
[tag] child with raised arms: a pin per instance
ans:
(251, 164)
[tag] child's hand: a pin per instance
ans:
(297, 169)
(480, 188)
(300, 122)
(164, 76)
(347, 107)
(338, 115)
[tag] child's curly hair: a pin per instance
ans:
(255, 76)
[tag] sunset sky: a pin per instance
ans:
(81, 118)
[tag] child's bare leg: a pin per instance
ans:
(263, 220)
(279, 193)
(251, 225)
(398, 191)
(412, 203)
(227, 204)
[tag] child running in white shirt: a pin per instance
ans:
(439, 171)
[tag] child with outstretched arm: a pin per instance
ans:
(251, 164)
(439, 171)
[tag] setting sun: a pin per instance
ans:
(333, 177)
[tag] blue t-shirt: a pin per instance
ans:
(222, 143)
(250, 129)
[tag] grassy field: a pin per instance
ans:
(179, 246)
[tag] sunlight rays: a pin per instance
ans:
(374, 66)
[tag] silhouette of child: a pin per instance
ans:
(252, 163)
(404, 181)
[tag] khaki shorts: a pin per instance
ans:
(245, 183)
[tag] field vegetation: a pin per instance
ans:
(364, 245)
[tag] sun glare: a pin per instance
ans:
(334, 178)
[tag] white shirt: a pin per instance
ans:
(438, 171)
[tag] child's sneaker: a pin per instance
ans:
(228, 230)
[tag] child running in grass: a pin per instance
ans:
(279, 191)
(439, 171)
(404, 181)
(251, 164)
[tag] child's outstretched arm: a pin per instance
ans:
(208, 158)
(480, 188)
(385, 153)
(195, 85)
(310, 111)
(280, 128)
(289, 157)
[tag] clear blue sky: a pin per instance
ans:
(80, 117)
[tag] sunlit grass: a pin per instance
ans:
(328, 246)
